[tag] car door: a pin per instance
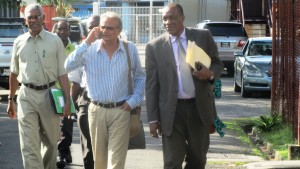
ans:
(239, 62)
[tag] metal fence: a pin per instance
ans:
(286, 60)
(140, 24)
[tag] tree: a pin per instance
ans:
(63, 7)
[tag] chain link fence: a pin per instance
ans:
(286, 60)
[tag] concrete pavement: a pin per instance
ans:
(227, 152)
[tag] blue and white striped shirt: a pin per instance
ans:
(107, 80)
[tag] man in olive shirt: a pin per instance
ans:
(37, 63)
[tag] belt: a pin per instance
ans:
(109, 105)
(42, 87)
(186, 100)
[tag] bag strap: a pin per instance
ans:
(129, 67)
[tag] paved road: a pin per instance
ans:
(223, 153)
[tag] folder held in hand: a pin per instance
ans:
(195, 54)
(57, 100)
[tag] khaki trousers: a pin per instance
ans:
(38, 129)
(109, 130)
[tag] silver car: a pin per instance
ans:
(252, 66)
(230, 37)
(10, 29)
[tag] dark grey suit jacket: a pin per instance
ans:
(162, 82)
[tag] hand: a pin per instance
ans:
(67, 108)
(94, 34)
(126, 107)
(155, 129)
(203, 74)
(11, 110)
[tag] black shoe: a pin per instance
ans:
(61, 163)
(69, 158)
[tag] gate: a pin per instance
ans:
(140, 24)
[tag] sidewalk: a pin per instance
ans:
(223, 152)
(227, 152)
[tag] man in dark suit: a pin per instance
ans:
(182, 117)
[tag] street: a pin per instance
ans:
(228, 149)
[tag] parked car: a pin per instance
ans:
(78, 31)
(252, 66)
(10, 29)
(230, 37)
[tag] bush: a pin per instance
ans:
(269, 122)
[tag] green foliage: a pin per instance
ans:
(46, 2)
(56, 2)
(270, 122)
(235, 126)
(280, 136)
(280, 139)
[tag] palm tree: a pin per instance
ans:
(63, 7)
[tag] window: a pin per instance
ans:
(222, 29)
(10, 31)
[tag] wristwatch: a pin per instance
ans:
(212, 78)
(10, 98)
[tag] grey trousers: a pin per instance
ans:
(83, 123)
(189, 140)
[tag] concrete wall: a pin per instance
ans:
(198, 10)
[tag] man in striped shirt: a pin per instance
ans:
(106, 68)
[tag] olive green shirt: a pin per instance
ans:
(38, 60)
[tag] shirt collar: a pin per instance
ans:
(69, 45)
(42, 35)
(182, 35)
(100, 48)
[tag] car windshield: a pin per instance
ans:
(222, 29)
(10, 31)
(260, 48)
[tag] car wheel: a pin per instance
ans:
(230, 70)
(236, 87)
(244, 93)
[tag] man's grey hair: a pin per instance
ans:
(114, 15)
(33, 6)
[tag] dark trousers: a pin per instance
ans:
(85, 139)
(66, 137)
(188, 141)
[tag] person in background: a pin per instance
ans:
(107, 84)
(181, 112)
(64, 152)
(37, 63)
(79, 94)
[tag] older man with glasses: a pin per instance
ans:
(107, 84)
(37, 63)
(79, 93)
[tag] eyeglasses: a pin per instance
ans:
(109, 28)
(34, 17)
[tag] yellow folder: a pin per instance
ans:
(195, 54)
